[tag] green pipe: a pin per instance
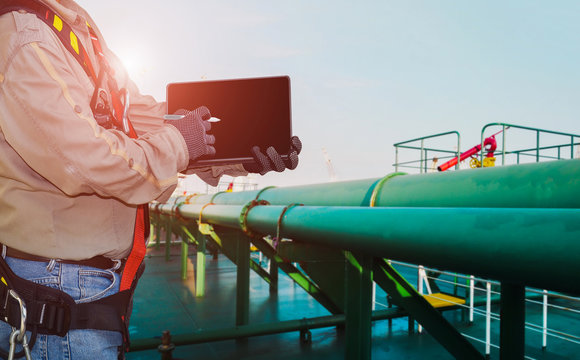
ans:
(553, 184)
(208, 335)
(535, 247)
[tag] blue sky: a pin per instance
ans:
(367, 75)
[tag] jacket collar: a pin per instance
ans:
(66, 9)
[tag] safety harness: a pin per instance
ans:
(53, 312)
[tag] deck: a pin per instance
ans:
(165, 302)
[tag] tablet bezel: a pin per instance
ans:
(244, 158)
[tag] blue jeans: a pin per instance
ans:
(84, 284)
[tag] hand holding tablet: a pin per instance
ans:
(179, 117)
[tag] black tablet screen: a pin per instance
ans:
(252, 112)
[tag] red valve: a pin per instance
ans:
(489, 145)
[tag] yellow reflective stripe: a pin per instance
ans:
(52, 72)
(57, 23)
(101, 135)
(74, 42)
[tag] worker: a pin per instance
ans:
(81, 151)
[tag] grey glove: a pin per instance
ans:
(212, 174)
(270, 161)
(194, 127)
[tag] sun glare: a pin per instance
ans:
(136, 65)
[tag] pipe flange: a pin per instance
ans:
(261, 191)
(175, 211)
(216, 194)
(244, 217)
(201, 211)
(189, 197)
(379, 185)
(279, 225)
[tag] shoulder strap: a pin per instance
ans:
(64, 32)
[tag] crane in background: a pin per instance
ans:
(329, 165)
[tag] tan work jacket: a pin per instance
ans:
(68, 187)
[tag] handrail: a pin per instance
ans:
(542, 148)
(428, 137)
(538, 131)
(471, 304)
(424, 149)
(419, 161)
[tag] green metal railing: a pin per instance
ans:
(424, 151)
(534, 151)
(569, 141)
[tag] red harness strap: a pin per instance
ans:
(138, 251)
(141, 232)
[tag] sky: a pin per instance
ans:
(366, 75)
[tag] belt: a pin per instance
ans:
(99, 262)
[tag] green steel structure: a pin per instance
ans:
(563, 150)
(424, 151)
(516, 224)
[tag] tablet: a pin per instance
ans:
(254, 111)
